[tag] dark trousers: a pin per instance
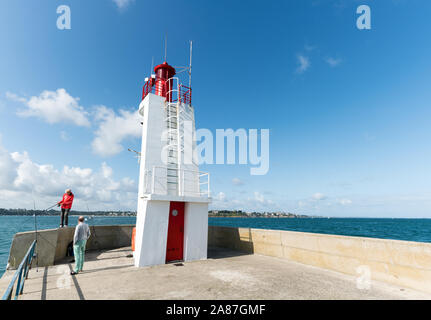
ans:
(64, 217)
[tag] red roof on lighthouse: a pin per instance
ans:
(166, 66)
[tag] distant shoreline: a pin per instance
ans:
(272, 217)
(71, 215)
(251, 217)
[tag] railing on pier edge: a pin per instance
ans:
(20, 275)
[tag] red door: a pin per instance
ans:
(174, 250)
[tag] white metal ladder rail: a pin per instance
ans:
(183, 116)
(176, 115)
(172, 126)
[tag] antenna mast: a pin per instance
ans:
(190, 67)
(166, 46)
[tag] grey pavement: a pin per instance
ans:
(225, 275)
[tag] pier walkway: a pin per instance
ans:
(110, 274)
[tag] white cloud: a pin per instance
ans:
(344, 202)
(302, 204)
(319, 196)
(333, 62)
(259, 203)
(15, 97)
(58, 106)
(263, 203)
(304, 64)
(122, 4)
(314, 202)
(320, 202)
(53, 107)
(237, 182)
(259, 197)
(20, 177)
(7, 167)
(255, 202)
(113, 129)
(221, 196)
(64, 136)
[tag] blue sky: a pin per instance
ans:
(348, 110)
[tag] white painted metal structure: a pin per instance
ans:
(168, 173)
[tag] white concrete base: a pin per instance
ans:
(152, 232)
(195, 231)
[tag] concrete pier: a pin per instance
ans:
(227, 274)
(249, 264)
(402, 263)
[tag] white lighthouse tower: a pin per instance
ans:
(172, 219)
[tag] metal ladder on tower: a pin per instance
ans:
(173, 143)
(184, 116)
(176, 115)
(189, 177)
(172, 148)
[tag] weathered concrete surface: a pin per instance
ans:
(52, 244)
(5, 281)
(402, 263)
(45, 249)
(225, 275)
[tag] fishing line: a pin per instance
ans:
(35, 232)
(96, 242)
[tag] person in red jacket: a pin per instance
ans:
(66, 205)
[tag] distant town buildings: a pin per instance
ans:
(25, 212)
(240, 213)
(211, 213)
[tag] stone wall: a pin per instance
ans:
(402, 263)
(52, 244)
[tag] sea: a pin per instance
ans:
(418, 230)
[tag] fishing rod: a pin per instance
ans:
(96, 242)
(35, 238)
(35, 229)
(35, 233)
(51, 207)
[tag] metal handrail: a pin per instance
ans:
(20, 275)
(152, 179)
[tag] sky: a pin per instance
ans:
(348, 110)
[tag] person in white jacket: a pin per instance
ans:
(82, 233)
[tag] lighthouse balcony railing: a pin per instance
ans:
(185, 94)
(177, 181)
(149, 87)
(179, 92)
(171, 88)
